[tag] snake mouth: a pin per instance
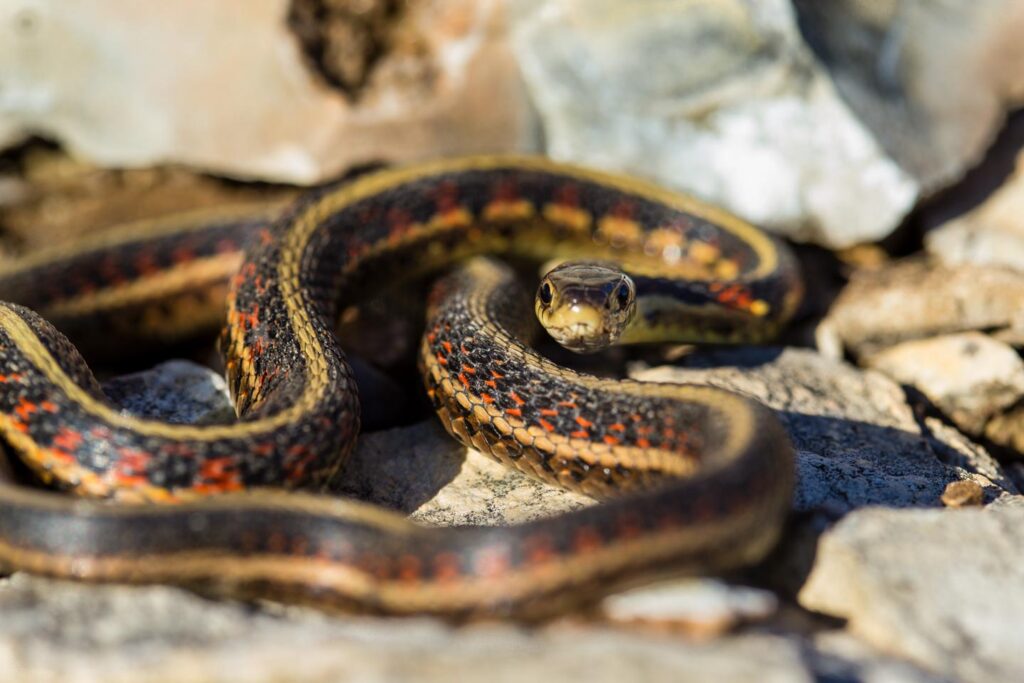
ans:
(583, 336)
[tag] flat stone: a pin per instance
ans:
(939, 587)
(918, 298)
(857, 440)
(449, 85)
(720, 99)
(970, 377)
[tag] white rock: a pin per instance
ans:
(940, 587)
(223, 86)
(969, 376)
(720, 99)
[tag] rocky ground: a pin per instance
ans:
(875, 133)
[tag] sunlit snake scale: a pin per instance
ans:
(703, 476)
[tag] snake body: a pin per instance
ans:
(699, 479)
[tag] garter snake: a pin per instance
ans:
(698, 479)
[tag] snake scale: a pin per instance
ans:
(697, 479)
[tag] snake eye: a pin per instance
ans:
(545, 294)
(622, 295)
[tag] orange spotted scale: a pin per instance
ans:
(697, 479)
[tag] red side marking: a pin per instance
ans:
(548, 412)
(399, 221)
(548, 427)
(643, 443)
(264, 449)
(624, 208)
(447, 346)
(183, 255)
(497, 375)
(617, 427)
(668, 522)
(505, 190)
(515, 397)
(218, 474)
(145, 263)
(468, 370)
(13, 377)
(586, 540)
(514, 412)
(610, 440)
(276, 542)
(441, 359)
(584, 422)
(568, 195)
(130, 468)
(409, 568)
(628, 526)
(567, 404)
(67, 440)
(487, 398)
(462, 347)
(25, 408)
(538, 549)
(462, 378)
(48, 406)
(446, 567)
(447, 196)
(580, 434)
(265, 236)
(491, 383)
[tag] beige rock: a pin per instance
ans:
(970, 377)
(224, 86)
(991, 234)
(940, 587)
(919, 298)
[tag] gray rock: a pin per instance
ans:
(919, 298)
(970, 376)
(177, 391)
(940, 587)
(720, 99)
(424, 472)
(932, 81)
(61, 631)
(858, 442)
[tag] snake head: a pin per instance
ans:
(584, 305)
